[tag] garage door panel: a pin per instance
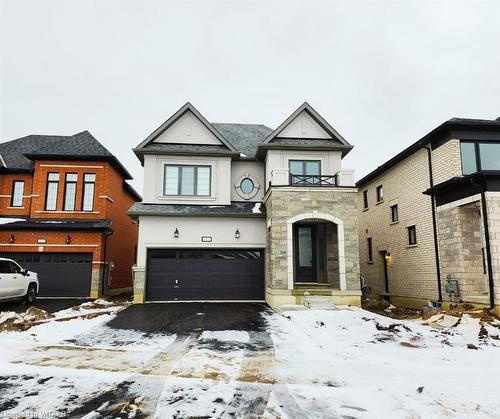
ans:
(205, 275)
(59, 274)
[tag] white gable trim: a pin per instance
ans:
(188, 129)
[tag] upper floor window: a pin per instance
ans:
(478, 156)
(52, 190)
(412, 235)
(70, 191)
(304, 171)
(187, 180)
(88, 192)
(365, 199)
(394, 214)
(17, 193)
(380, 193)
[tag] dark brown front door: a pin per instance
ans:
(305, 253)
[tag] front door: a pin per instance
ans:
(305, 253)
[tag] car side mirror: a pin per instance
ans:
(24, 272)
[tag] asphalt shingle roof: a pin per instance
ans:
(16, 153)
(245, 209)
(8, 224)
(244, 137)
(187, 148)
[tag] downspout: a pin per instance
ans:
(105, 270)
(434, 226)
(487, 240)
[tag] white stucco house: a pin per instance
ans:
(245, 212)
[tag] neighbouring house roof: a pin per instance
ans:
(455, 128)
(236, 209)
(11, 224)
(18, 155)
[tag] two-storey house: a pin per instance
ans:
(245, 212)
(429, 219)
(63, 214)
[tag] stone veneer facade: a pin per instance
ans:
(287, 205)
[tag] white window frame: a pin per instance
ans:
(179, 180)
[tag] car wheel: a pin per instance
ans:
(30, 296)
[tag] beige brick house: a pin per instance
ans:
(246, 212)
(429, 219)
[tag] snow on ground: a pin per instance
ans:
(310, 363)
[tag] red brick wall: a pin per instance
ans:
(26, 241)
(42, 168)
(122, 243)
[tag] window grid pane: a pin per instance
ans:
(88, 192)
(51, 203)
(17, 194)
(468, 152)
(171, 180)
(70, 196)
(203, 184)
(187, 180)
(490, 156)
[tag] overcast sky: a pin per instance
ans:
(383, 73)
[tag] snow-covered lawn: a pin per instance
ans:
(346, 363)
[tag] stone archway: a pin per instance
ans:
(315, 215)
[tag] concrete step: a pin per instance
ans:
(318, 302)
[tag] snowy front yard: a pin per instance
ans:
(347, 363)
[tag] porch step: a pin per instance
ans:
(318, 302)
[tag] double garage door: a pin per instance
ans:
(190, 274)
(59, 274)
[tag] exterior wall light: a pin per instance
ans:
(237, 234)
(68, 240)
(12, 239)
(387, 256)
(176, 233)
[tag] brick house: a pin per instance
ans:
(429, 219)
(63, 203)
(246, 212)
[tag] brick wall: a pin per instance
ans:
(460, 244)
(493, 208)
(446, 161)
(411, 269)
(121, 245)
(6, 187)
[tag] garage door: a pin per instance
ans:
(205, 275)
(59, 274)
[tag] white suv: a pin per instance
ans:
(16, 282)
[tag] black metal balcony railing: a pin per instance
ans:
(313, 180)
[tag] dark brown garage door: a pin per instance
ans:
(59, 274)
(205, 275)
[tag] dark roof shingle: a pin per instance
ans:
(18, 154)
(244, 137)
(236, 209)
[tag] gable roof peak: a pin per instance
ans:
(317, 118)
(175, 117)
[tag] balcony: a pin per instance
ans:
(313, 180)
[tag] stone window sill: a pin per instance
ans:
(394, 222)
(365, 209)
(379, 202)
(370, 262)
(412, 245)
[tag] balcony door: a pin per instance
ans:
(305, 253)
(304, 171)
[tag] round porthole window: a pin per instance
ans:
(247, 186)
